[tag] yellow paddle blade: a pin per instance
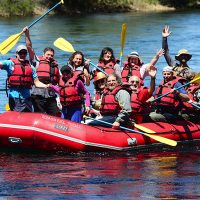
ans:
(142, 128)
(9, 43)
(7, 107)
(196, 79)
(162, 139)
(123, 37)
(64, 45)
(62, 1)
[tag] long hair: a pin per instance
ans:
(73, 55)
(104, 51)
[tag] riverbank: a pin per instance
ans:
(71, 7)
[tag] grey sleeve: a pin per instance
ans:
(167, 56)
(118, 70)
(123, 98)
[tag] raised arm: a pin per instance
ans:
(29, 43)
(165, 33)
(152, 73)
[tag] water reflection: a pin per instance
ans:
(88, 176)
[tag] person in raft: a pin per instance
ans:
(115, 106)
(140, 95)
(168, 107)
(44, 99)
(21, 77)
(77, 63)
(72, 90)
(99, 85)
(108, 63)
(135, 67)
(181, 67)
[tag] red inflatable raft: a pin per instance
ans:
(32, 131)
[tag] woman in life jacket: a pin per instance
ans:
(78, 63)
(134, 66)
(140, 95)
(71, 90)
(99, 85)
(108, 63)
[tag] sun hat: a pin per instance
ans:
(134, 54)
(100, 75)
(21, 47)
(167, 69)
(183, 52)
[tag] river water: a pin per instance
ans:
(103, 176)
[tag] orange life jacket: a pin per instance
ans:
(131, 70)
(169, 100)
(21, 75)
(48, 72)
(109, 105)
(69, 96)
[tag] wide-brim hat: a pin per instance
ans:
(99, 76)
(183, 52)
(133, 54)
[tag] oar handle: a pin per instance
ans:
(61, 2)
(195, 105)
(170, 92)
(98, 68)
(128, 129)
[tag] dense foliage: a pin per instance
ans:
(26, 7)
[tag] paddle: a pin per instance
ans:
(7, 107)
(10, 42)
(196, 79)
(123, 37)
(194, 104)
(155, 137)
(64, 45)
(142, 128)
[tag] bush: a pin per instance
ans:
(17, 7)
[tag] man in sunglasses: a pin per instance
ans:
(168, 107)
(21, 77)
(140, 95)
(180, 69)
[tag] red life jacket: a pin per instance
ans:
(169, 100)
(69, 96)
(98, 94)
(109, 105)
(48, 72)
(22, 74)
(191, 90)
(131, 70)
(137, 107)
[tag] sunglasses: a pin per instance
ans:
(101, 81)
(135, 82)
(22, 52)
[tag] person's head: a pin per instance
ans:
(113, 81)
(183, 56)
(77, 59)
(167, 73)
(66, 72)
(107, 55)
(48, 54)
(21, 52)
(134, 83)
(100, 81)
(134, 58)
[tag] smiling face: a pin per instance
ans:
(107, 56)
(135, 83)
(112, 82)
(167, 76)
(21, 55)
(101, 83)
(48, 55)
(134, 60)
(77, 60)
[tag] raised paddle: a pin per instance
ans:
(123, 37)
(155, 137)
(10, 42)
(64, 45)
(196, 79)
